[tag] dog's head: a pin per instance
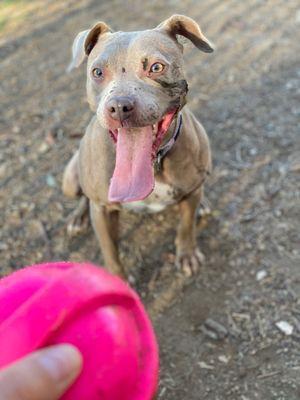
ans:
(136, 85)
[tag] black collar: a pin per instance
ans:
(164, 150)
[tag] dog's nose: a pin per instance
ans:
(120, 108)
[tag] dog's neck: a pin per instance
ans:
(174, 125)
(169, 141)
(171, 131)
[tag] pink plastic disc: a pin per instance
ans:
(95, 311)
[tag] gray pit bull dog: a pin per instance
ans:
(141, 150)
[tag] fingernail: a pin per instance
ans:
(62, 362)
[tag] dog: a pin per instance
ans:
(144, 149)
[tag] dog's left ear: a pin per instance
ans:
(185, 26)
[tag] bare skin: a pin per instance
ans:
(136, 86)
(43, 375)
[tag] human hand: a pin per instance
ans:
(43, 375)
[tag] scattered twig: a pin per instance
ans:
(268, 375)
(46, 239)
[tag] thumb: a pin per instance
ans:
(43, 375)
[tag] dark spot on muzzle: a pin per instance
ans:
(174, 89)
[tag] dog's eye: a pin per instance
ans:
(97, 73)
(157, 67)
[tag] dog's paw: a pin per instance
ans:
(203, 209)
(79, 220)
(189, 263)
(77, 226)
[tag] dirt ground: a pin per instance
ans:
(247, 96)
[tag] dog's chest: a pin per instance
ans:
(162, 196)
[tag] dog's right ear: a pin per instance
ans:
(85, 42)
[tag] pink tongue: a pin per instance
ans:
(133, 177)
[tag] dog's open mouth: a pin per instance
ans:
(136, 149)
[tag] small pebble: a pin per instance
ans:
(224, 359)
(43, 148)
(3, 246)
(50, 180)
(16, 129)
(285, 327)
(203, 365)
(214, 330)
(131, 279)
(211, 334)
(261, 275)
(217, 327)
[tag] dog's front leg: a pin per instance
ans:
(105, 223)
(188, 256)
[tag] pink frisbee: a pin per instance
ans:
(95, 311)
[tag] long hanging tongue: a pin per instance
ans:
(133, 177)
